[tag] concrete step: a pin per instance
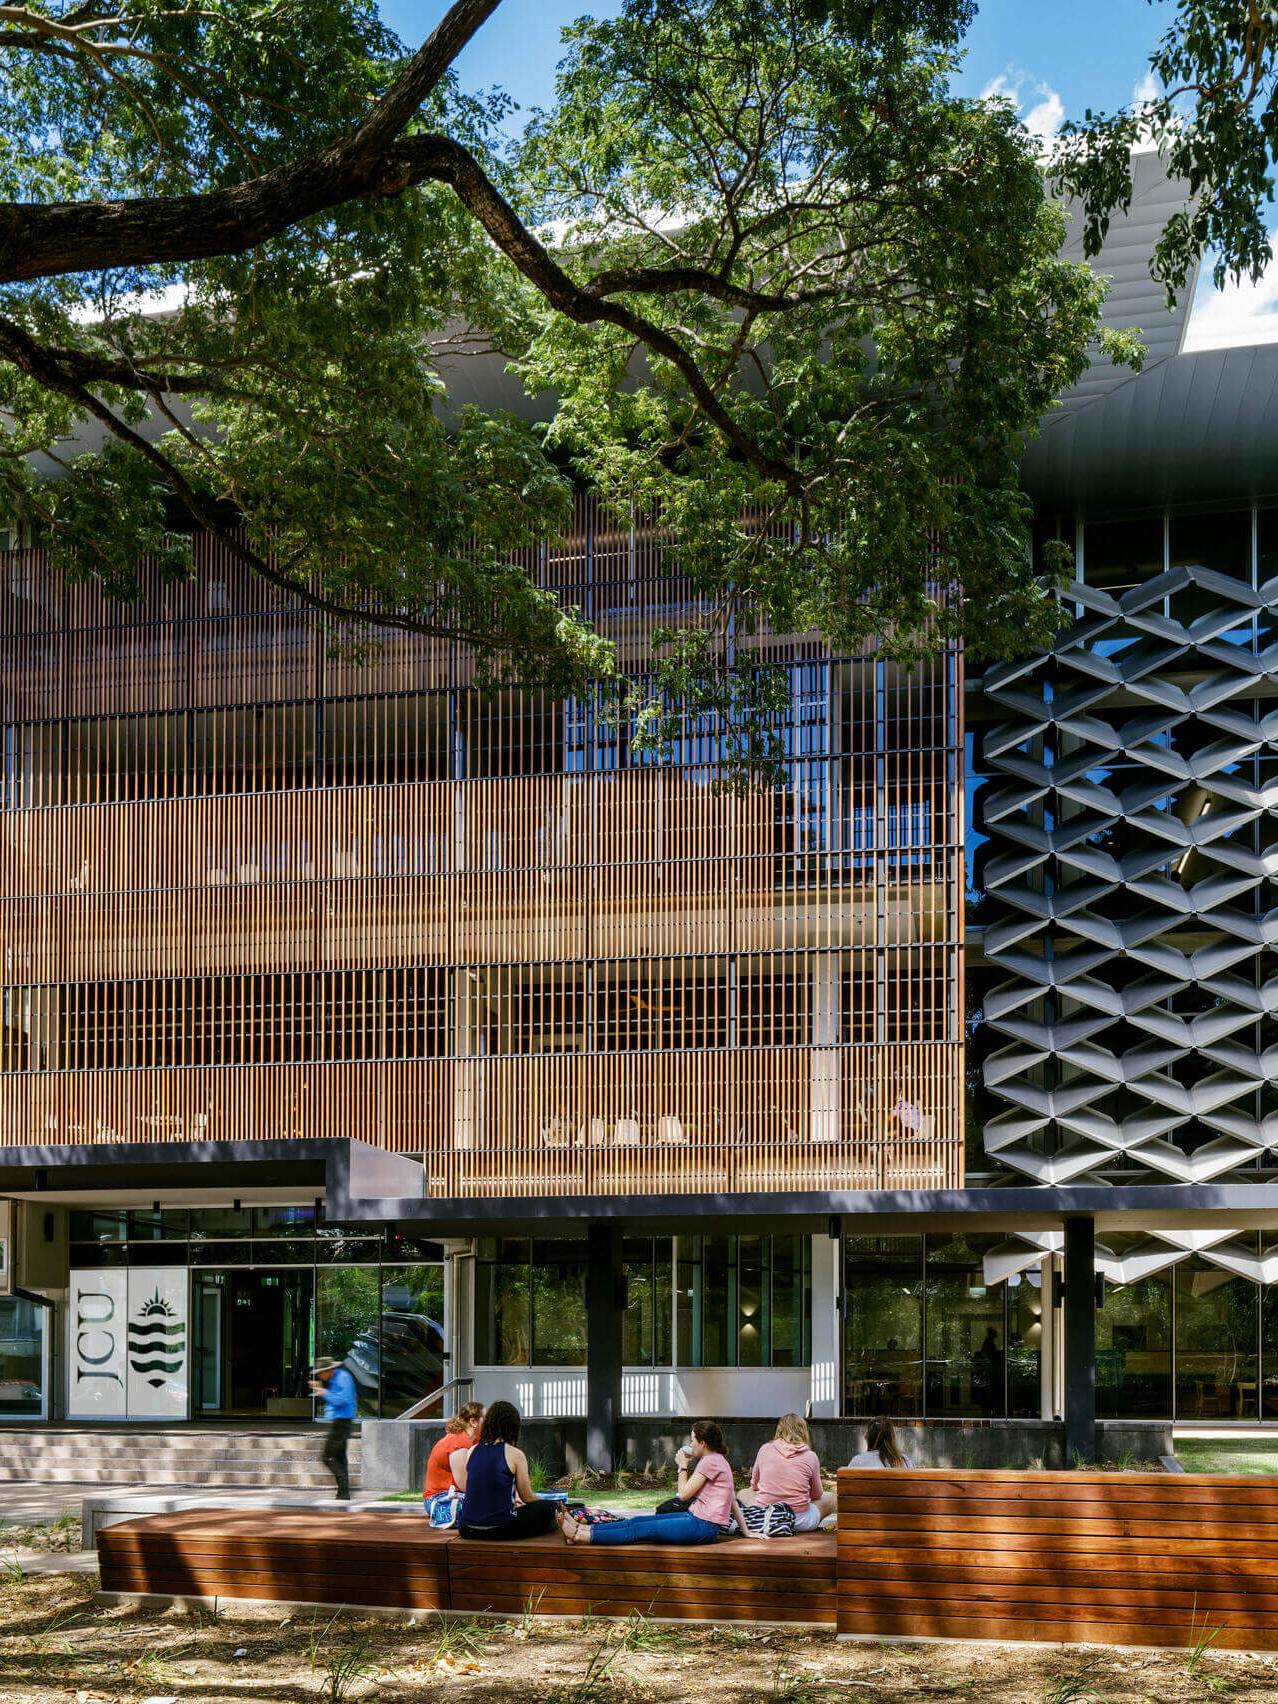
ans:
(182, 1456)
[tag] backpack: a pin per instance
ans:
(442, 1507)
(776, 1520)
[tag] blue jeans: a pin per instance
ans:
(656, 1529)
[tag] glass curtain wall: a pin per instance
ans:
(720, 1302)
(924, 1334)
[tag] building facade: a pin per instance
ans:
(349, 1009)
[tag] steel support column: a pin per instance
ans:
(1080, 1341)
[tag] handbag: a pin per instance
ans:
(673, 1506)
(442, 1507)
(775, 1520)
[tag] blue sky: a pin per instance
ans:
(1081, 52)
(1054, 58)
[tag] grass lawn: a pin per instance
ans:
(1214, 1455)
(56, 1646)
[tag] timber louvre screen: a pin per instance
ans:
(246, 887)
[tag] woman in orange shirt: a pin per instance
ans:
(446, 1469)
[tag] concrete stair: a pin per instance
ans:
(263, 1458)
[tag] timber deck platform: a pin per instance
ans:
(387, 1560)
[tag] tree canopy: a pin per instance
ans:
(782, 287)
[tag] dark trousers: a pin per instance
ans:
(528, 1521)
(335, 1455)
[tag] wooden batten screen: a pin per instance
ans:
(1106, 1558)
(246, 887)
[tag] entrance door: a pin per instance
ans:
(24, 1358)
(208, 1346)
(253, 1341)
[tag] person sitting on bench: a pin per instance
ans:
(787, 1478)
(707, 1489)
(881, 1448)
(499, 1501)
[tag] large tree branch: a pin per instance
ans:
(39, 240)
(453, 165)
(28, 357)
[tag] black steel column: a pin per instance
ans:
(605, 1317)
(1080, 1341)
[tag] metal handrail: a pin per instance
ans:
(434, 1397)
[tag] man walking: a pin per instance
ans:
(334, 1383)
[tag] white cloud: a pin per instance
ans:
(1237, 316)
(1046, 117)
(1046, 113)
(1146, 91)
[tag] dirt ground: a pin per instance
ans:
(57, 1647)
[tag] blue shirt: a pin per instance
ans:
(341, 1401)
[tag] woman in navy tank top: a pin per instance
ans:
(497, 1476)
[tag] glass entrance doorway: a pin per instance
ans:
(253, 1348)
(24, 1359)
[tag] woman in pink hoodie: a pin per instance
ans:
(787, 1471)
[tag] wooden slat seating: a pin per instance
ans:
(790, 1580)
(1118, 1559)
(385, 1559)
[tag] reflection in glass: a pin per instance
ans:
(753, 1326)
(346, 1325)
(1025, 1344)
(1133, 1349)
(965, 1348)
(883, 1325)
(21, 1358)
(503, 1302)
(791, 1301)
(1216, 1327)
(559, 1271)
(411, 1351)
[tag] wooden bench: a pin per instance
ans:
(785, 1580)
(387, 1560)
(1115, 1559)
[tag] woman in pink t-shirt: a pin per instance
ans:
(705, 1484)
(786, 1471)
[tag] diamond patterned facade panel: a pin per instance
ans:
(1131, 882)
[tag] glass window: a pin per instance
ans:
(1025, 1344)
(1217, 1330)
(221, 1222)
(293, 1221)
(1133, 1349)
(503, 1302)
(965, 1345)
(1118, 555)
(1269, 1340)
(346, 1312)
(718, 1302)
(98, 1227)
(791, 1301)
(754, 1330)
(883, 1325)
(21, 1358)
(1221, 543)
(639, 1331)
(412, 1341)
(559, 1272)
(168, 1224)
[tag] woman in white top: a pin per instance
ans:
(881, 1448)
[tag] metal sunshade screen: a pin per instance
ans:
(248, 889)
(1129, 882)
